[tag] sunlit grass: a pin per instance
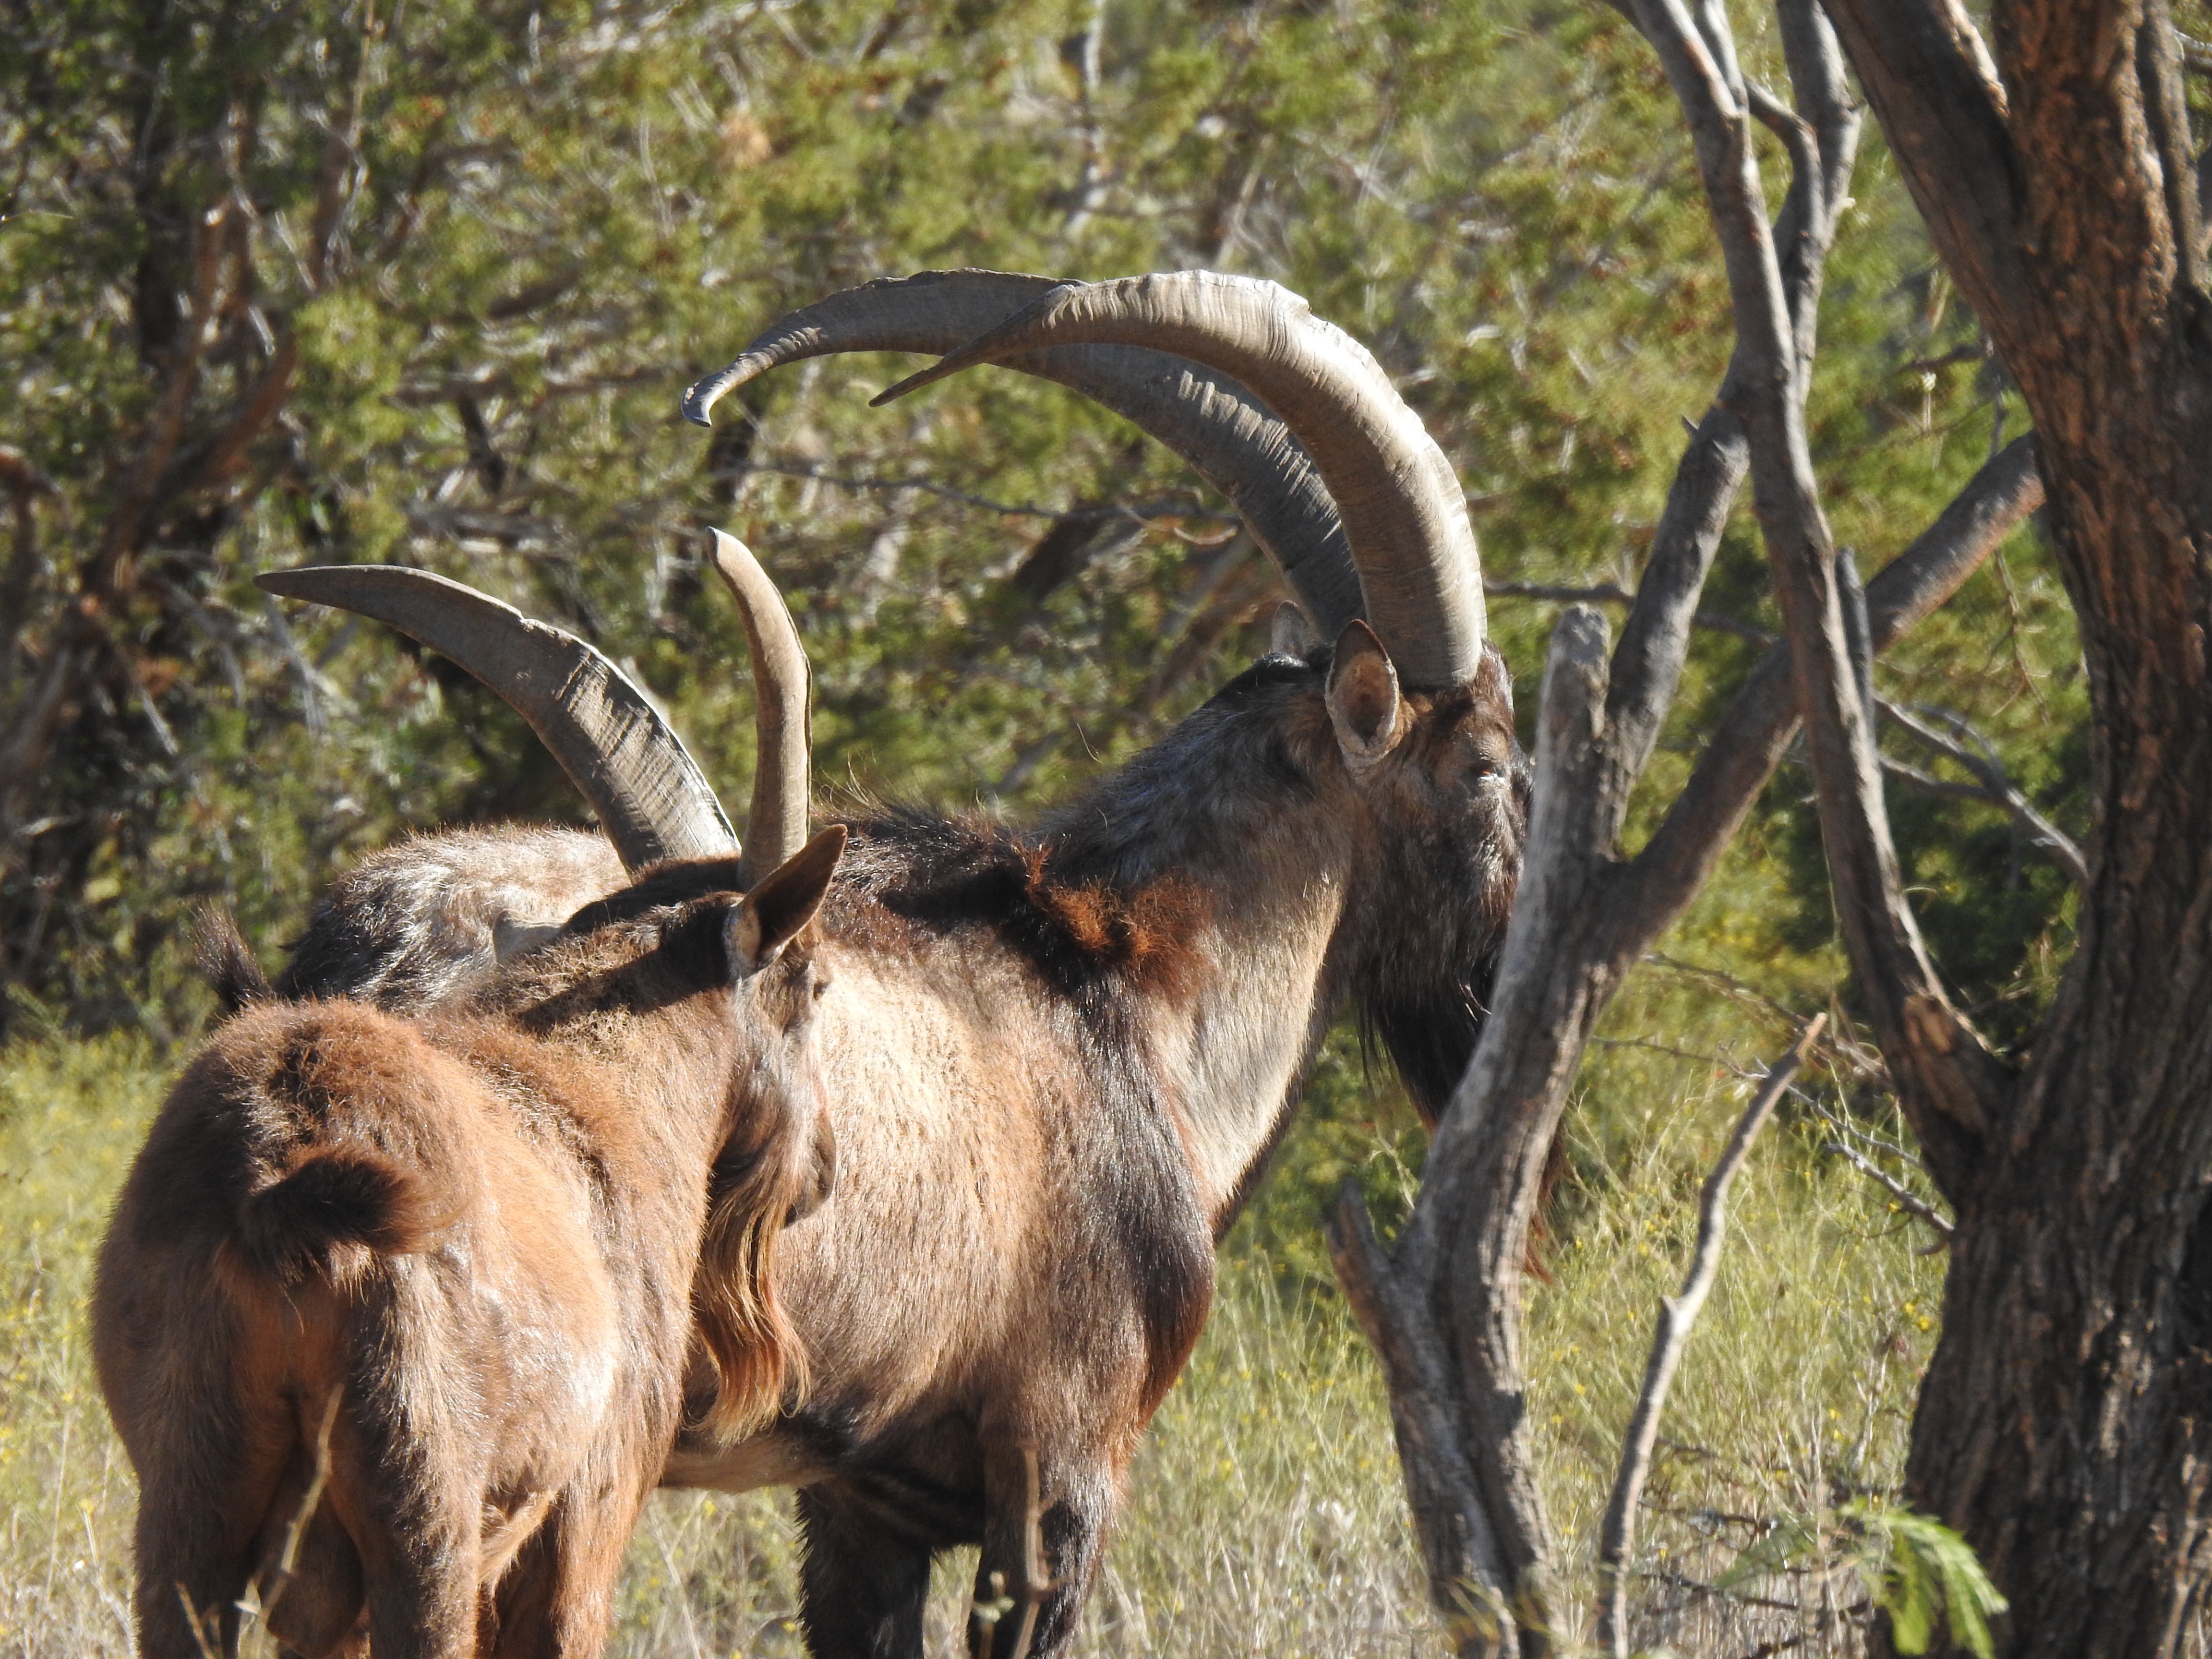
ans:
(1266, 1515)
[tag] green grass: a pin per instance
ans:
(1266, 1515)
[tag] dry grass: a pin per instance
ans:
(1266, 1516)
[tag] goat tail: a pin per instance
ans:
(228, 962)
(757, 1356)
(339, 1200)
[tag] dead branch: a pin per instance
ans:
(1926, 68)
(1997, 786)
(1142, 511)
(1677, 1313)
(1443, 1305)
(1906, 1200)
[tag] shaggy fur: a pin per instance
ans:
(438, 1270)
(1058, 1059)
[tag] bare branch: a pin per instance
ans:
(1677, 1313)
(142, 474)
(1467, 1572)
(2159, 63)
(1148, 513)
(1998, 788)
(1906, 1199)
(1948, 1080)
(1647, 665)
(1929, 76)
(1021, 1599)
(263, 1601)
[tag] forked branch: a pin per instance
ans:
(1950, 1082)
(1443, 1305)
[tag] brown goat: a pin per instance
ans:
(394, 1314)
(1059, 1055)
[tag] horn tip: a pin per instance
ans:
(730, 554)
(912, 383)
(698, 403)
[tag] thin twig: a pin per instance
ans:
(310, 1501)
(1021, 1599)
(198, 1622)
(1726, 982)
(1907, 1199)
(2002, 790)
(1676, 1315)
(1144, 511)
(1852, 1131)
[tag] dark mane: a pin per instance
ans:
(942, 875)
(1097, 892)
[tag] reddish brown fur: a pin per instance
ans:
(466, 1243)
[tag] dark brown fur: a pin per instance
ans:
(448, 1260)
(224, 956)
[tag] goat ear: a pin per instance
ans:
(771, 915)
(1363, 705)
(1290, 635)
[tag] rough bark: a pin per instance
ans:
(2065, 1423)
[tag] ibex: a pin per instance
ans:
(1058, 1055)
(395, 1312)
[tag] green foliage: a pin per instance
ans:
(458, 261)
(1922, 1575)
(1929, 1576)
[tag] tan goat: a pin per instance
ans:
(394, 1314)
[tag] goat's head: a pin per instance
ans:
(1444, 787)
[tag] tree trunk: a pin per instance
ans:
(2065, 1423)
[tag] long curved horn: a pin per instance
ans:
(782, 712)
(1402, 506)
(651, 798)
(1236, 443)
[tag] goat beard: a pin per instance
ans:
(1429, 1033)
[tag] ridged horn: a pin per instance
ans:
(782, 714)
(1233, 441)
(1402, 507)
(652, 799)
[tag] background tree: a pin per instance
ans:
(2063, 1424)
(452, 264)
